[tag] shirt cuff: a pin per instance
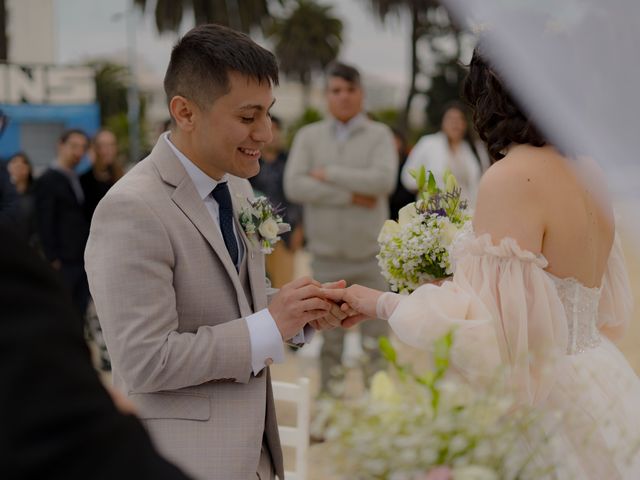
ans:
(266, 341)
(304, 336)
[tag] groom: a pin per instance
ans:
(179, 289)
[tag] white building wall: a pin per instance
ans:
(31, 31)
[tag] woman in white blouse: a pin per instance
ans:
(448, 150)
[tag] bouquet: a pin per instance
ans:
(416, 249)
(408, 425)
(263, 223)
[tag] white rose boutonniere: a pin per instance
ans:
(262, 223)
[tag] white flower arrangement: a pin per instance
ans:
(406, 426)
(416, 249)
(262, 223)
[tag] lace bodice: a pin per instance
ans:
(581, 307)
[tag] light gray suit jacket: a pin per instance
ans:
(172, 307)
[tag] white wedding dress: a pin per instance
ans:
(550, 338)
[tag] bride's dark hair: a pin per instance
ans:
(496, 116)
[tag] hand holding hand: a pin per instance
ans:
(335, 315)
(296, 304)
(357, 301)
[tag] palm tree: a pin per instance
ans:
(241, 15)
(428, 21)
(306, 42)
(3, 32)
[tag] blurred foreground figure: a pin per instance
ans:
(57, 421)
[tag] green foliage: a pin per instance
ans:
(306, 41)
(430, 23)
(243, 15)
(388, 116)
(446, 86)
(387, 350)
(431, 380)
(111, 88)
(119, 125)
(111, 92)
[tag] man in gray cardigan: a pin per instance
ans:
(342, 170)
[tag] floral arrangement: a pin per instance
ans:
(262, 223)
(416, 249)
(409, 427)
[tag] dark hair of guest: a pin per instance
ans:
(201, 61)
(26, 160)
(497, 118)
(344, 71)
(64, 136)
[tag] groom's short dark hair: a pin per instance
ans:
(202, 59)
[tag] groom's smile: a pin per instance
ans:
(228, 135)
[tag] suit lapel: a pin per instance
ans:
(254, 256)
(186, 198)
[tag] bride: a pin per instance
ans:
(540, 289)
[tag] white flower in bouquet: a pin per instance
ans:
(417, 248)
(408, 425)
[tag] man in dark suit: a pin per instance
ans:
(62, 223)
(57, 421)
(8, 197)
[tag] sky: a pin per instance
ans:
(87, 28)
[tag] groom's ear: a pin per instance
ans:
(183, 111)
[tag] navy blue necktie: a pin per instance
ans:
(225, 209)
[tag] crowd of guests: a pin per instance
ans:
(52, 212)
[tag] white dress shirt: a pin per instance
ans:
(266, 341)
(343, 130)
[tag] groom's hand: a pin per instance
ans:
(334, 317)
(296, 304)
(358, 302)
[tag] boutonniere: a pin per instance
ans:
(262, 223)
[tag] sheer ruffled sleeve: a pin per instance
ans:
(616, 300)
(506, 313)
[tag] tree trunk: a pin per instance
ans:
(4, 41)
(404, 119)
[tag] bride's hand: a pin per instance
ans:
(357, 301)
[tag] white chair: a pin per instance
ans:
(296, 437)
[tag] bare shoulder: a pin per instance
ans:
(511, 194)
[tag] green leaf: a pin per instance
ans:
(388, 352)
(420, 177)
(432, 188)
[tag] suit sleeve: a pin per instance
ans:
(300, 187)
(57, 419)
(129, 261)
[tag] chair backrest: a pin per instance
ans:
(296, 437)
